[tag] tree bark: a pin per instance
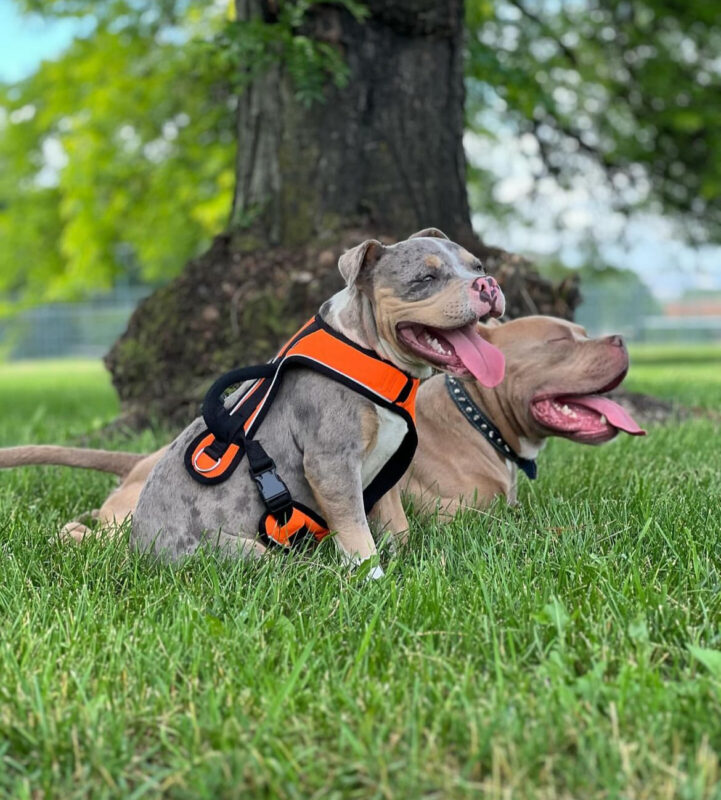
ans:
(381, 157)
(384, 152)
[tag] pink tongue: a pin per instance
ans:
(614, 413)
(485, 362)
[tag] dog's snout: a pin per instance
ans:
(615, 340)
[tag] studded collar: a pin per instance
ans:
(486, 428)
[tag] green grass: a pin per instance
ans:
(570, 647)
(690, 375)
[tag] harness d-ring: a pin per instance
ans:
(207, 469)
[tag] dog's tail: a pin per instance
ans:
(119, 464)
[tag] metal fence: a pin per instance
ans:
(65, 330)
(88, 329)
(616, 308)
(681, 329)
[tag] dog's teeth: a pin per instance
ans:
(603, 419)
(566, 410)
(435, 344)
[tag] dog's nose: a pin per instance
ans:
(616, 340)
(487, 297)
(486, 286)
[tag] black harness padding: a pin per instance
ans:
(486, 428)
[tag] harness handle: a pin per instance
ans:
(227, 428)
(220, 422)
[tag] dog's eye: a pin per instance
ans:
(559, 339)
(478, 267)
(425, 279)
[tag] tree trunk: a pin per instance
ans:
(385, 152)
(382, 157)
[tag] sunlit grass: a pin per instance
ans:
(689, 374)
(675, 353)
(539, 651)
(49, 400)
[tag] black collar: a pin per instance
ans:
(486, 428)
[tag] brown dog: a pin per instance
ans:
(554, 384)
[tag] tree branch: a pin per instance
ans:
(570, 55)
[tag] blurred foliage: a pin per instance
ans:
(117, 157)
(632, 86)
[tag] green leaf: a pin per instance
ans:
(711, 659)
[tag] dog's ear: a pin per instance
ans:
(434, 233)
(358, 258)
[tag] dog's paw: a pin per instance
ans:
(375, 573)
(73, 533)
(367, 569)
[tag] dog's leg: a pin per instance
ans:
(107, 528)
(74, 532)
(390, 517)
(118, 506)
(338, 490)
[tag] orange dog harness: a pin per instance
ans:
(214, 454)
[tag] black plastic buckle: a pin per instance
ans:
(273, 490)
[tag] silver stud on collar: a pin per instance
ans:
(474, 416)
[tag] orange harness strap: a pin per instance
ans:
(213, 455)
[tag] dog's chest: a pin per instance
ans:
(392, 429)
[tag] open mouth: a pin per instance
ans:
(587, 418)
(459, 351)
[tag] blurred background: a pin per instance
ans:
(592, 134)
